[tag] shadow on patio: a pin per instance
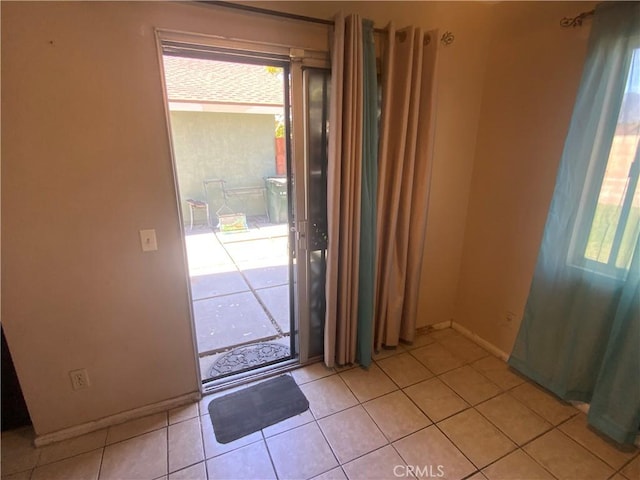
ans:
(240, 292)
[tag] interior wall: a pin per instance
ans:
(461, 68)
(533, 72)
(86, 164)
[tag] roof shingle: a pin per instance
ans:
(212, 81)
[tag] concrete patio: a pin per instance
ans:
(240, 288)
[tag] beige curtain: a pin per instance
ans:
(344, 174)
(405, 159)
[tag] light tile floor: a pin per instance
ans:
(442, 407)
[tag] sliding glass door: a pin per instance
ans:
(248, 127)
(317, 90)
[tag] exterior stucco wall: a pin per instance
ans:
(236, 147)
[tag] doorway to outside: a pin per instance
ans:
(228, 119)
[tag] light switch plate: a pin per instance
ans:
(148, 240)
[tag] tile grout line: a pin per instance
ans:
(166, 437)
(266, 446)
(204, 448)
(627, 463)
(529, 441)
(389, 443)
(65, 458)
(398, 389)
(518, 447)
(631, 459)
(104, 448)
(476, 469)
(471, 406)
(584, 447)
(202, 440)
(335, 456)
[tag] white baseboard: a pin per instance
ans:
(583, 407)
(77, 430)
(480, 341)
(441, 325)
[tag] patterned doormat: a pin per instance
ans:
(248, 356)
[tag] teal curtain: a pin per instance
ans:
(580, 334)
(366, 286)
(352, 177)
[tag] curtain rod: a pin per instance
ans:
(446, 39)
(577, 20)
(266, 11)
(276, 13)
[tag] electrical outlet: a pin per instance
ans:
(79, 379)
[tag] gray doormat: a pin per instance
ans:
(248, 356)
(254, 408)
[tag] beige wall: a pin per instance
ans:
(533, 71)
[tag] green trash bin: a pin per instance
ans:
(277, 199)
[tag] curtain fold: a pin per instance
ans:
(377, 187)
(405, 158)
(580, 332)
(612, 410)
(369, 196)
(344, 190)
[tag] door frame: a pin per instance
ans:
(298, 58)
